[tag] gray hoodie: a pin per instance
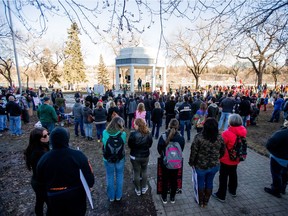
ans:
(77, 111)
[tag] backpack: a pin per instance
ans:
(114, 150)
(239, 149)
(173, 155)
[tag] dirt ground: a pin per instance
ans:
(17, 196)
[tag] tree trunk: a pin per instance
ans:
(259, 78)
(197, 82)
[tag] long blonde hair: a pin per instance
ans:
(141, 107)
(142, 127)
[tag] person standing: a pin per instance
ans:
(37, 147)
(88, 120)
(3, 116)
(59, 173)
(172, 135)
(141, 112)
(156, 118)
(148, 109)
(278, 149)
(139, 84)
(47, 115)
(114, 162)
(169, 110)
(206, 150)
(185, 117)
(60, 102)
(100, 116)
(277, 109)
(131, 109)
(14, 111)
(78, 117)
(227, 105)
(228, 168)
(245, 109)
(140, 141)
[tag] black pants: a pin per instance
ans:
(227, 173)
(279, 176)
(169, 175)
(168, 118)
(41, 198)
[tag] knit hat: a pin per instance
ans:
(59, 138)
(46, 98)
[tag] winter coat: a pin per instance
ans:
(278, 104)
(131, 106)
(157, 115)
(245, 108)
(161, 147)
(140, 114)
(86, 112)
(100, 115)
(185, 112)
(77, 111)
(213, 111)
(227, 105)
(170, 107)
(229, 136)
(13, 108)
(110, 112)
(47, 114)
(205, 154)
(140, 144)
(277, 145)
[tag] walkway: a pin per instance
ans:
(253, 176)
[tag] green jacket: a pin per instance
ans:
(47, 114)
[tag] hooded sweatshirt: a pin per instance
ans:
(59, 168)
(229, 136)
(77, 111)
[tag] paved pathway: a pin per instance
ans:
(253, 176)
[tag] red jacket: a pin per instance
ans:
(229, 137)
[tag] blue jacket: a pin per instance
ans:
(278, 104)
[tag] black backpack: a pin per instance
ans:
(239, 149)
(114, 150)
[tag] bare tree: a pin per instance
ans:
(6, 69)
(196, 52)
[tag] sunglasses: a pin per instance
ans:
(45, 136)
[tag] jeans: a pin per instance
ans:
(275, 115)
(88, 129)
(205, 177)
(2, 122)
(227, 171)
(112, 169)
(100, 128)
(224, 120)
(188, 127)
(279, 176)
(15, 125)
(140, 171)
(48, 125)
(157, 126)
(244, 119)
(77, 123)
(148, 118)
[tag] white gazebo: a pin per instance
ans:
(134, 59)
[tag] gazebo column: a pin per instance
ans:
(132, 78)
(153, 79)
(117, 87)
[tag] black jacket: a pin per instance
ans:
(157, 115)
(13, 108)
(245, 108)
(277, 145)
(169, 107)
(185, 111)
(140, 144)
(162, 145)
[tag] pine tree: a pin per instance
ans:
(74, 70)
(103, 76)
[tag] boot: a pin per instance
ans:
(201, 198)
(207, 196)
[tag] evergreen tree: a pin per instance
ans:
(103, 76)
(74, 71)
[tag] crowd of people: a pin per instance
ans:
(219, 115)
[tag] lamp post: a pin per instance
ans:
(14, 47)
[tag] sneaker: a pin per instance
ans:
(138, 192)
(111, 200)
(233, 194)
(216, 197)
(144, 190)
(118, 199)
(164, 200)
(172, 199)
(270, 191)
